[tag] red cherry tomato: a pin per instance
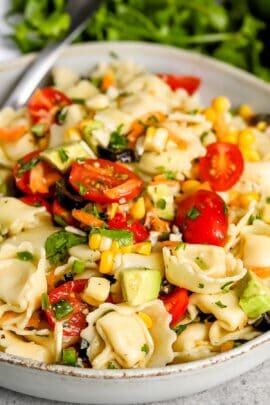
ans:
(122, 221)
(189, 83)
(22, 171)
(176, 304)
(222, 166)
(202, 218)
(36, 201)
(44, 104)
(75, 321)
(103, 181)
(61, 215)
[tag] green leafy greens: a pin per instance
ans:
(58, 243)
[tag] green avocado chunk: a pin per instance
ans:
(140, 286)
(64, 155)
(254, 296)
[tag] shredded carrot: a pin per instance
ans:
(168, 243)
(7, 316)
(51, 280)
(158, 224)
(34, 321)
(181, 143)
(138, 126)
(107, 81)
(262, 272)
(86, 218)
(12, 134)
(160, 178)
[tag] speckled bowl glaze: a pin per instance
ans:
(141, 385)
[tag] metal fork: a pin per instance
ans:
(80, 11)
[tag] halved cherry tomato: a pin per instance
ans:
(61, 215)
(75, 321)
(103, 181)
(188, 83)
(222, 165)
(36, 201)
(33, 176)
(202, 218)
(123, 221)
(44, 104)
(176, 304)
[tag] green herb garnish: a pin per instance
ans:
(204, 136)
(63, 155)
(39, 130)
(61, 116)
(180, 245)
(193, 213)
(124, 237)
(145, 348)
(78, 101)
(58, 243)
(45, 301)
(179, 329)
(220, 304)
(110, 366)
(25, 256)
(118, 141)
(25, 167)
(267, 200)
(225, 286)
(201, 285)
(201, 263)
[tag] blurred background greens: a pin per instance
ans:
(234, 31)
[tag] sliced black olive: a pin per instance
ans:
(83, 350)
(166, 288)
(68, 276)
(67, 197)
(59, 282)
(263, 323)
(263, 117)
(110, 278)
(124, 155)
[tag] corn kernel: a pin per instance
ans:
(138, 209)
(246, 138)
(221, 104)
(115, 247)
(106, 262)
(143, 248)
(94, 241)
(210, 114)
(146, 319)
(127, 249)
(261, 126)
(231, 136)
(189, 186)
(227, 346)
(245, 199)
(250, 154)
(112, 209)
(72, 134)
(245, 111)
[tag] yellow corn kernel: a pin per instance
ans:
(261, 126)
(127, 249)
(205, 186)
(138, 209)
(245, 111)
(250, 154)
(221, 104)
(210, 114)
(146, 319)
(106, 262)
(94, 241)
(231, 136)
(246, 138)
(115, 247)
(112, 209)
(189, 186)
(245, 199)
(72, 134)
(227, 346)
(144, 248)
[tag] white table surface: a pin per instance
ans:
(251, 388)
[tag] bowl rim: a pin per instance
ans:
(170, 370)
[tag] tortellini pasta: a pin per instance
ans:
(202, 268)
(117, 333)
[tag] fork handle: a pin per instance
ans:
(45, 60)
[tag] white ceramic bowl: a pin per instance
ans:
(141, 385)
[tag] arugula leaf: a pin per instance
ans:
(58, 243)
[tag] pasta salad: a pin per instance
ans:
(134, 222)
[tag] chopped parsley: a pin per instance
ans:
(96, 81)
(118, 141)
(25, 256)
(169, 174)
(45, 301)
(78, 101)
(193, 213)
(267, 200)
(63, 155)
(123, 236)
(203, 136)
(145, 348)
(59, 220)
(110, 365)
(220, 304)
(61, 116)
(225, 208)
(25, 167)
(201, 285)
(161, 204)
(179, 329)
(252, 218)
(201, 263)
(58, 243)
(225, 286)
(82, 189)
